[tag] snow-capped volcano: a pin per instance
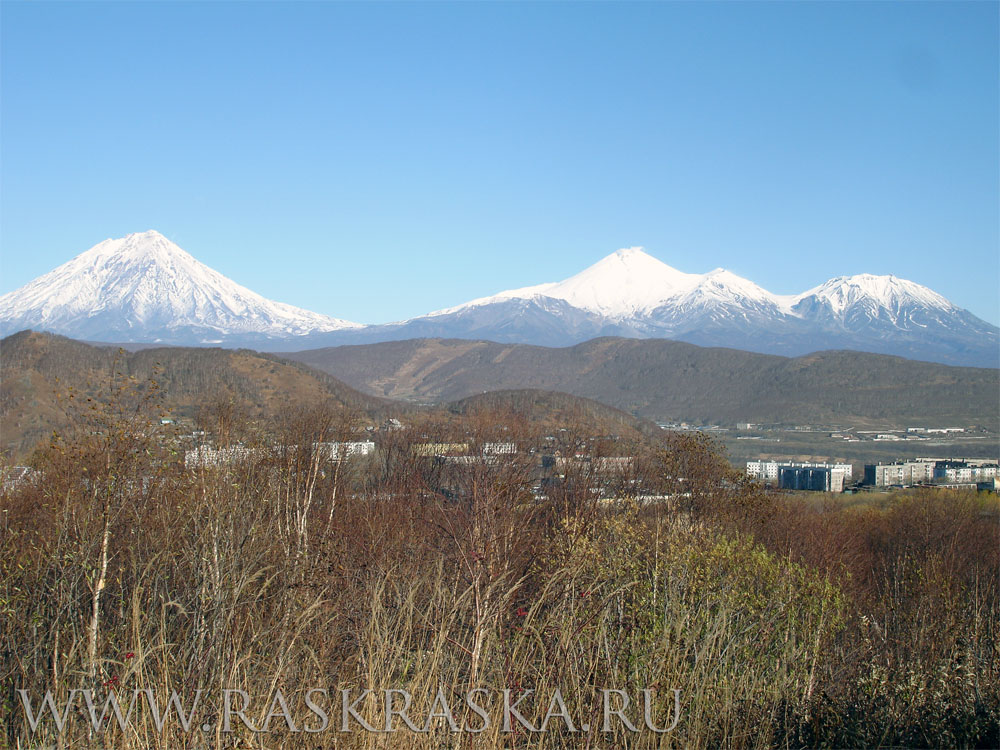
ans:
(853, 299)
(627, 293)
(629, 283)
(626, 283)
(631, 293)
(144, 288)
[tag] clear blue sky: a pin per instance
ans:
(377, 161)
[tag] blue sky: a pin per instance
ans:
(377, 161)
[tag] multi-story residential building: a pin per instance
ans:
(499, 449)
(946, 471)
(613, 463)
(205, 455)
(814, 478)
(901, 474)
(340, 450)
(765, 470)
(768, 470)
(962, 471)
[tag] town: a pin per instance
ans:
(601, 458)
(944, 473)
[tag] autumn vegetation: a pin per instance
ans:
(781, 622)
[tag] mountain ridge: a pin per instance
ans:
(143, 288)
(676, 381)
(43, 375)
(38, 371)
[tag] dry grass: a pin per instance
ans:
(780, 625)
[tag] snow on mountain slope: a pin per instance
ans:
(143, 287)
(527, 292)
(630, 293)
(624, 284)
(888, 296)
(724, 289)
(620, 285)
(630, 284)
(630, 287)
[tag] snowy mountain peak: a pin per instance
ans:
(629, 292)
(631, 252)
(726, 287)
(137, 239)
(842, 293)
(137, 244)
(630, 282)
(624, 283)
(143, 287)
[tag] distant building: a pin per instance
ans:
(899, 474)
(14, 476)
(765, 470)
(341, 450)
(466, 460)
(812, 478)
(499, 449)
(613, 463)
(204, 456)
(922, 471)
(768, 470)
(439, 449)
(962, 471)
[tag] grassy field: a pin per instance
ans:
(780, 621)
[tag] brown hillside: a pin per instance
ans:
(669, 380)
(38, 370)
(554, 410)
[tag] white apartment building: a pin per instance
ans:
(768, 470)
(337, 451)
(765, 470)
(953, 471)
(948, 471)
(903, 473)
(205, 455)
(499, 449)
